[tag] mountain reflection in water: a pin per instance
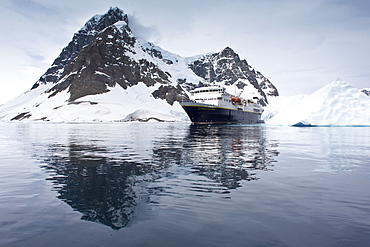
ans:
(106, 177)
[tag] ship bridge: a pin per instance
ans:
(213, 95)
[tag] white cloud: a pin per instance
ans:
(148, 33)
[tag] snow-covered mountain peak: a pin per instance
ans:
(107, 73)
(98, 22)
(229, 53)
(80, 39)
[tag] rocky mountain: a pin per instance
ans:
(108, 73)
(228, 69)
(80, 39)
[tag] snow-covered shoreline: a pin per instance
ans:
(336, 104)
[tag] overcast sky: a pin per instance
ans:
(300, 46)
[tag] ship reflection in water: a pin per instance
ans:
(229, 154)
(107, 177)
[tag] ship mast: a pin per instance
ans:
(208, 76)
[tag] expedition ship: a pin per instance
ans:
(213, 105)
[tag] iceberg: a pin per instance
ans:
(336, 104)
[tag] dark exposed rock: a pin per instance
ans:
(152, 51)
(105, 63)
(80, 39)
(366, 91)
(170, 93)
(21, 116)
(188, 86)
(167, 61)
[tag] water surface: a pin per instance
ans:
(175, 184)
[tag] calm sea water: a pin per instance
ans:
(174, 184)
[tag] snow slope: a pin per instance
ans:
(113, 106)
(336, 104)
